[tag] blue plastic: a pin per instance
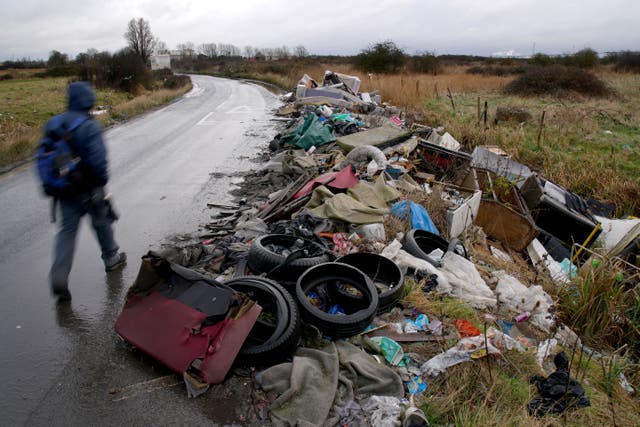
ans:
(420, 219)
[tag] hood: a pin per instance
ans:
(80, 96)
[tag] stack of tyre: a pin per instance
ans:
(340, 298)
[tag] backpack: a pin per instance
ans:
(57, 160)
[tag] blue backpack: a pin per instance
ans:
(57, 161)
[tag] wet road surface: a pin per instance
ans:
(64, 365)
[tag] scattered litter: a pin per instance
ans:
(421, 323)
(466, 329)
(558, 391)
(383, 411)
(416, 385)
(391, 350)
(519, 299)
(469, 348)
(624, 383)
(416, 213)
(465, 282)
(545, 351)
(352, 176)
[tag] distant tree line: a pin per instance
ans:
(128, 68)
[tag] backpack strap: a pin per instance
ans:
(68, 134)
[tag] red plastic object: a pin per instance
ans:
(466, 328)
(344, 179)
(172, 332)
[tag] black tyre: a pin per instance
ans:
(275, 334)
(284, 258)
(321, 280)
(385, 275)
(420, 243)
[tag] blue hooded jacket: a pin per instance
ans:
(87, 136)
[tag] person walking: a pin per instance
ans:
(88, 196)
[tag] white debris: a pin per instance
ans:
(465, 282)
(518, 298)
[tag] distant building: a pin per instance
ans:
(161, 61)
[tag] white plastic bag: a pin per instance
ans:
(464, 282)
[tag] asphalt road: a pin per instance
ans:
(65, 366)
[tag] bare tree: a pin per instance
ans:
(186, 49)
(140, 38)
(300, 51)
(208, 49)
(249, 51)
(283, 52)
(269, 53)
(160, 47)
(228, 49)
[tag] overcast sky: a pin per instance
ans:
(30, 28)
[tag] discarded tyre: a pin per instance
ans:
(314, 292)
(385, 275)
(421, 243)
(284, 258)
(275, 334)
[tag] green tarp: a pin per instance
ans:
(365, 203)
(310, 133)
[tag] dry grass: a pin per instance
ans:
(26, 103)
(145, 101)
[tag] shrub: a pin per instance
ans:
(541, 59)
(128, 71)
(174, 82)
(426, 63)
(585, 58)
(501, 71)
(383, 57)
(557, 80)
(627, 61)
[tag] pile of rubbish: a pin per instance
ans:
(354, 208)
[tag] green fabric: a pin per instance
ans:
(307, 387)
(317, 379)
(310, 133)
(375, 195)
(364, 203)
(325, 204)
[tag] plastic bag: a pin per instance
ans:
(465, 282)
(420, 218)
(420, 324)
(391, 350)
(383, 411)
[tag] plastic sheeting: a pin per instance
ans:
(518, 298)
(465, 282)
(309, 134)
(470, 348)
(405, 260)
(420, 218)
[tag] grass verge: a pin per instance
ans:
(26, 103)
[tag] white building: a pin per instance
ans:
(161, 61)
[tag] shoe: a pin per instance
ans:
(62, 294)
(120, 260)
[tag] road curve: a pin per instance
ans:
(58, 366)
